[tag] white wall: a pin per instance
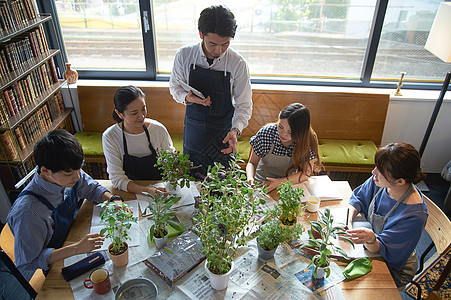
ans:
(407, 119)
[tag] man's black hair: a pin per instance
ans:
(217, 19)
(59, 151)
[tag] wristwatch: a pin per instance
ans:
(116, 197)
(237, 131)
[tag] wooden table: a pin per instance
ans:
(376, 284)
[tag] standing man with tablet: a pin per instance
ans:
(213, 124)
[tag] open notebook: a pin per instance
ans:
(320, 186)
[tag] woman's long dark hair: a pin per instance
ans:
(298, 117)
(123, 97)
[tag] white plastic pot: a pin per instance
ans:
(219, 282)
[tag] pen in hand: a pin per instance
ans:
(347, 219)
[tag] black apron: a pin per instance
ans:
(140, 168)
(63, 216)
(205, 127)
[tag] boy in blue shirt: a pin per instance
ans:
(44, 211)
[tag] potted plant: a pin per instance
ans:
(117, 221)
(175, 169)
(225, 216)
(328, 231)
(290, 202)
(271, 234)
(160, 213)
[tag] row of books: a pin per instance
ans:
(21, 170)
(24, 92)
(27, 132)
(19, 51)
(96, 170)
(16, 12)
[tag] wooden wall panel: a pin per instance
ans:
(333, 115)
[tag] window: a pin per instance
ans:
(401, 47)
(282, 40)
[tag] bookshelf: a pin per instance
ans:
(31, 103)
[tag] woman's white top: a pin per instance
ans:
(137, 145)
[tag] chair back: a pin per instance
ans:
(7, 242)
(438, 226)
(7, 245)
(12, 287)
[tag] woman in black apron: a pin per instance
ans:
(134, 130)
(395, 209)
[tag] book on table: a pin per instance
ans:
(320, 186)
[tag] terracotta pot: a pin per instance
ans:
(219, 282)
(121, 259)
(70, 74)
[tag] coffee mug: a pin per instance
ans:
(313, 203)
(99, 280)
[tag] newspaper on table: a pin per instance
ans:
(176, 259)
(186, 195)
(253, 278)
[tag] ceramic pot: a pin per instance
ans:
(320, 272)
(265, 254)
(70, 74)
(121, 259)
(219, 282)
(170, 189)
(161, 242)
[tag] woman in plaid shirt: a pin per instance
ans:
(286, 150)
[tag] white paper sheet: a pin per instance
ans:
(187, 195)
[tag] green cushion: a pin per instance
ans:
(91, 142)
(347, 152)
(244, 147)
(177, 141)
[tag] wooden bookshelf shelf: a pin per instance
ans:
(26, 68)
(31, 104)
(28, 151)
(32, 107)
(7, 35)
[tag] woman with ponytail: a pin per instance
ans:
(132, 144)
(395, 209)
(286, 150)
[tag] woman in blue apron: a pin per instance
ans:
(394, 208)
(205, 127)
(131, 146)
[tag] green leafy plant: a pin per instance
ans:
(327, 231)
(290, 202)
(161, 212)
(272, 233)
(175, 168)
(226, 214)
(117, 221)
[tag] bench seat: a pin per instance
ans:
(336, 155)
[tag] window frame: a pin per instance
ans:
(48, 6)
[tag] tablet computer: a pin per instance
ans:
(188, 88)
